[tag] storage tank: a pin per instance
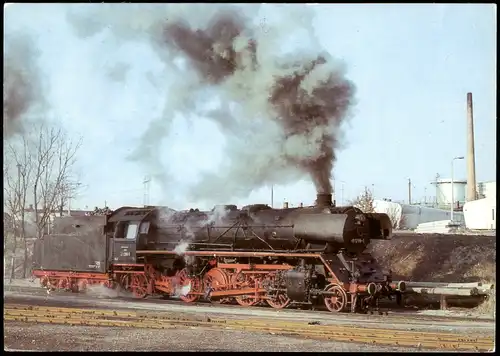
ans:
(480, 214)
(487, 189)
(443, 192)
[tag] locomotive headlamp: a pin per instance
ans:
(401, 286)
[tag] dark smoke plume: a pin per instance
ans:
(280, 110)
(211, 51)
(324, 105)
(305, 100)
(21, 82)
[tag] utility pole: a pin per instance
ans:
(147, 180)
(409, 191)
(452, 203)
(68, 189)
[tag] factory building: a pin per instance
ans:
(474, 205)
(487, 190)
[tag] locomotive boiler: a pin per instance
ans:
(321, 228)
(251, 255)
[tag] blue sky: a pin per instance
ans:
(412, 66)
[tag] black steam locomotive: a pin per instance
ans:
(252, 255)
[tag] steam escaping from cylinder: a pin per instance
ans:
(99, 291)
(184, 290)
(259, 75)
(181, 248)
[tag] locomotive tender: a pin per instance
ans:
(251, 255)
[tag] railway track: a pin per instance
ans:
(81, 301)
(155, 320)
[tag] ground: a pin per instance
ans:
(24, 336)
(438, 258)
(46, 337)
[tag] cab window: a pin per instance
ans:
(144, 228)
(131, 231)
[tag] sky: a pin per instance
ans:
(412, 66)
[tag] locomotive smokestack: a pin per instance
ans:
(324, 200)
(471, 162)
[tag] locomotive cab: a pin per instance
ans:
(128, 229)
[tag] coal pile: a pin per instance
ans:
(100, 211)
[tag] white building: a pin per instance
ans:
(487, 189)
(406, 216)
(481, 214)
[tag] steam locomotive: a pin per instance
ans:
(252, 255)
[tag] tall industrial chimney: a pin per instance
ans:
(471, 162)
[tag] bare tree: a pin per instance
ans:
(398, 219)
(54, 158)
(67, 192)
(11, 216)
(45, 160)
(17, 174)
(364, 201)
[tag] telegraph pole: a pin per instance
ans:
(409, 191)
(147, 180)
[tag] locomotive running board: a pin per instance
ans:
(231, 254)
(244, 254)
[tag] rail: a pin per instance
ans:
(451, 289)
(345, 333)
(446, 290)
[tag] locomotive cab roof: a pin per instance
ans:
(128, 213)
(255, 207)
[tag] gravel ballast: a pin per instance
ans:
(44, 337)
